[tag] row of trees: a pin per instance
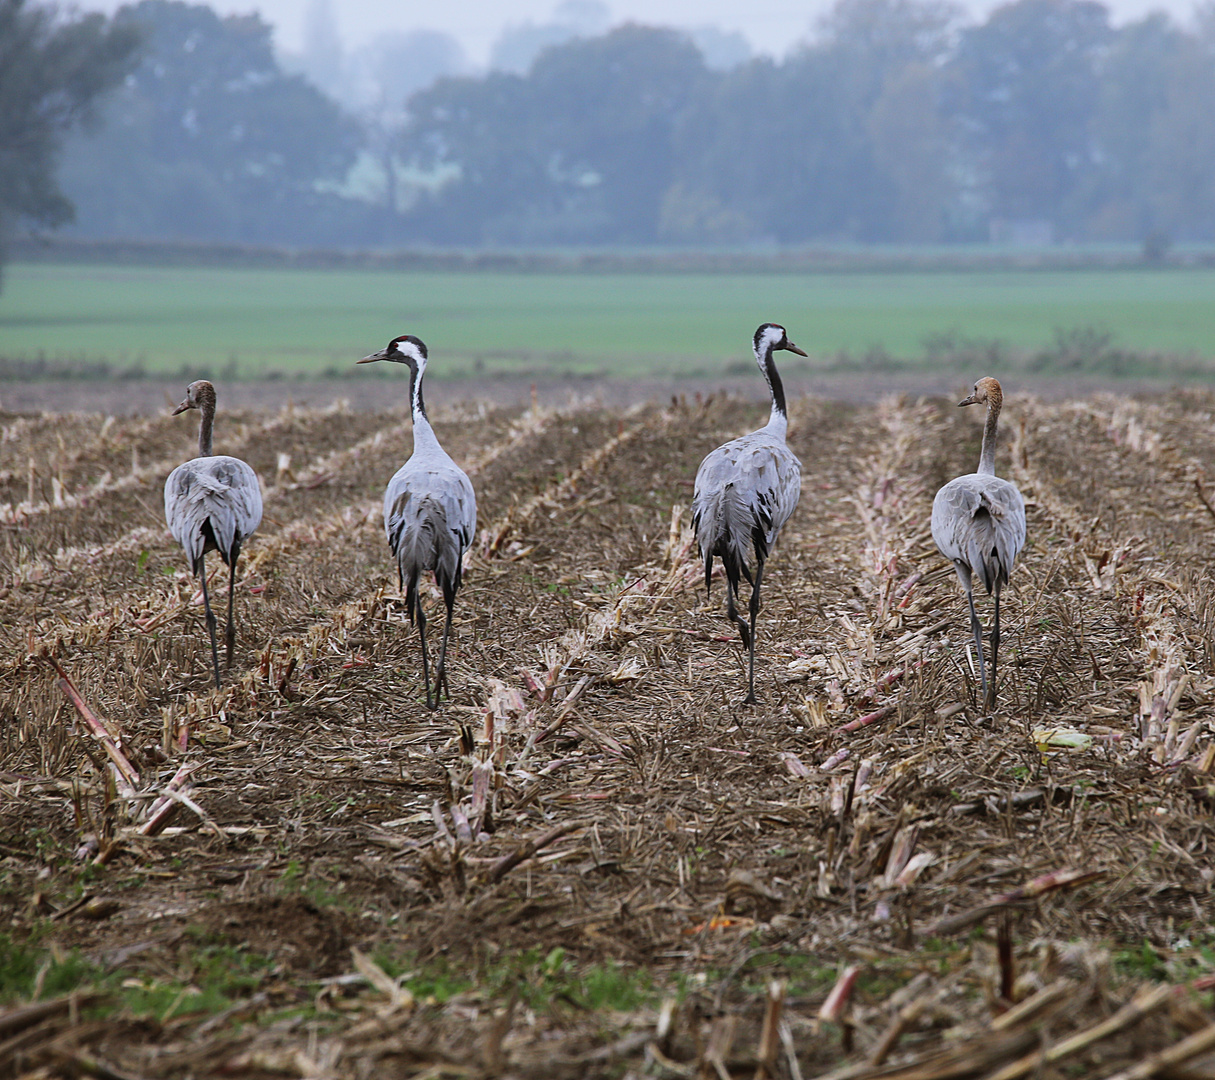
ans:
(897, 123)
(51, 75)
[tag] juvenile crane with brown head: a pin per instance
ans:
(212, 503)
(978, 522)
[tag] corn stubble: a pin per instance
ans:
(861, 876)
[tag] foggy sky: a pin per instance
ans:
(771, 26)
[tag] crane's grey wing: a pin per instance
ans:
(978, 520)
(749, 482)
(430, 516)
(221, 491)
(787, 491)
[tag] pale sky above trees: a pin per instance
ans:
(771, 26)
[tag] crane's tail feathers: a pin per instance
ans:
(449, 575)
(425, 543)
(990, 558)
(759, 537)
(724, 523)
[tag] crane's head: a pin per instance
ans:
(405, 349)
(986, 392)
(772, 336)
(199, 395)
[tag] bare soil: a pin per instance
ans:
(594, 802)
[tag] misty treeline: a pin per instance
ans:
(899, 122)
(51, 75)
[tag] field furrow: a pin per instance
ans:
(35, 449)
(1106, 506)
(86, 576)
(594, 796)
(85, 470)
(330, 555)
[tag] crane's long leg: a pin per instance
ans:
(759, 573)
(211, 621)
(230, 639)
(425, 662)
(734, 617)
(989, 698)
(976, 628)
(732, 609)
(441, 674)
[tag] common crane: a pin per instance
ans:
(212, 503)
(978, 522)
(745, 492)
(430, 511)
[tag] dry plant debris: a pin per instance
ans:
(594, 861)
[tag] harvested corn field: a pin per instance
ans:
(594, 861)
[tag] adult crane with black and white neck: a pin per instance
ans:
(978, 522)
(212, 503)
(745, 492)
(430, 511)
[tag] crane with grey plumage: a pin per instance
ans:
(212, 503)
(745, 491)
(430, 511)
(978, 522)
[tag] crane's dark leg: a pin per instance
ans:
(425, 662)
(989, 698)
(734, 617)
(201, 571)
(976, 628)
(441, 674)
(759, 573)
(230, 640)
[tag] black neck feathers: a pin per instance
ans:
(774, 383)
(415, 390)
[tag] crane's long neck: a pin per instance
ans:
(778, 421)
(206, 426)
(423, 434)
(987, 456)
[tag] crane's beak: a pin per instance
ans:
(793, 348)
(972, 400)
(181, 408)
(381, 355)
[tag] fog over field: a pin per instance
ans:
(769, 26)
(1032, 125)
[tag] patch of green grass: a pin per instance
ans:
(1141, 963)
(809, 976)
(294, 322)
(1186, 960)
(213, 977)
(296, 881)
(538, 979)
(210, 975)
(27, 966)
(436, 981)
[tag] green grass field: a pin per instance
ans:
(309, 322)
